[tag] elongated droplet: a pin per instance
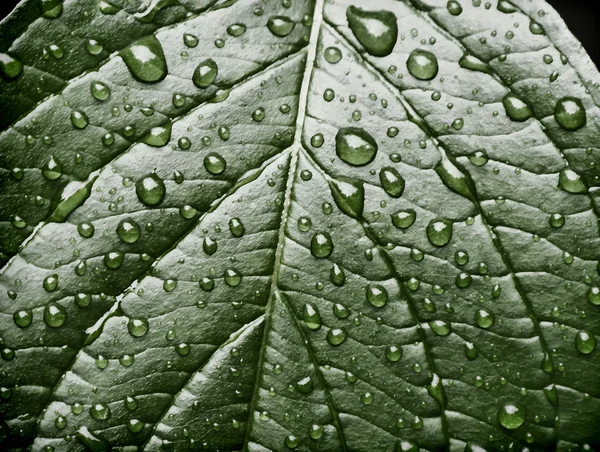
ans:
(236, 227)
(471, 351)
(150, 190)
(355, 146)
(51, 9)
(570, 113)
(79, 119)
(422, 64)
(312, 318)
(511, 416)
(321, 245)
(338, 277)
(146, 60)
(439, 232)
(392, 182)
(474, 64)
(377, 31)
(209, 246)
(10, 67)
(280, 26)
(516, 109)
(551, 394)
(349, 195)
(205, 74)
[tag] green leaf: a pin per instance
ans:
(341, 226)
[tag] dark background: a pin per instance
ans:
(582, 18)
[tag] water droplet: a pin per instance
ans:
(557, 220)
(53, 169)
(114, 260)
(312, 318)
(403, 219)
(315, 431)
(79, 119)
(593, 295)
(150, 190)
(439, 232)
(392, 182)
(10, 67)
(355, 146)
(484, 318)
(406, 446)
(585, 341)
(236, 30)
(135, 426)
(474, 64)
(367, 398)
(571, 182)
(129, 231)
(182, 349)
(511, 416)
(85, 229)
(280, 26)
(205, 74)
(138, 327)
(146, 60)
(93, 47)
(479, 157)
(304, 224)
(23, 318)
(422, 64)
(454, 7)
(393, 353)
(55, 315)
(377, 295)
(50, 283)
(349, 195)
(232, 277)
(291, 441)
(440, 327)
(471, 351)
(516, 109)
(100, 90)
(51, 9)
(338, 276)
(570, 113)
(336, 336)
(377, 31)
(321, 245)
(551, 394)
(100, 411)
(305, 386)
(209, 246)
(214, 163)
(463, 280)
(536, 28)
(236, 227)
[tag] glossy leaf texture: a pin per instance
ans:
(286, 225)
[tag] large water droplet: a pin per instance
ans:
(23, 318)
(214, 163)
(138, 327)
(232, 277)
(585, 342)
(337, 275)
(209, 246)
(79, 119)
(321, 245)
(53, 169)
(10, 67)
(403, 219)
(50, 283)
(393, 353)
(349, 195)
(440, 327)
(570, 113)
(55, 315)
(355, 146)
(114, 260)
(205, 74)
(51, 9)
(485, 319)
(100, 411)
(146, 60)
(439, 232)
(150, 190)
(511, 416)
(312, 318)
(377, 31)
(100, 91)
(158, 136)
(236, 227)
(129, 231)
(336, 336)
(392, 182)
(422, 64)
(516, 109)
(571, 182)
(280, 26)
(377, 295)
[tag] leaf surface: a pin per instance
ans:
(365, 228)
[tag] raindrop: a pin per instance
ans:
(355, 146)
(377, 31)
(422, 64)
(516, 109)
(150, 190)
(205, 74)
(280, 26)
(377, 295)
(570, 113)
(55, 315)
(321, 245)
